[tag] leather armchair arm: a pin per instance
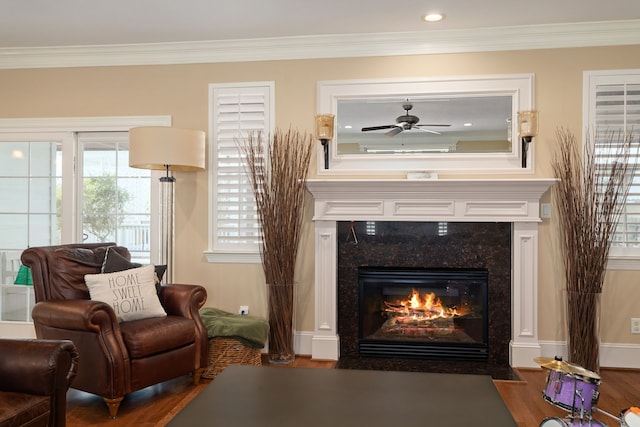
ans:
(80, 315)
(183, 300)
(39, 367)
(95, 328)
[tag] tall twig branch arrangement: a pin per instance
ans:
(590, 198)
(278, 169)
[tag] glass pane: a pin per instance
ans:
(99, 159)
(102, 201)
(13, 231)
(134, 232)
(14, 195)
(42, 195)
(13, 158)
(44, 230)
(45, 157)
(138, 192)
(123, 160)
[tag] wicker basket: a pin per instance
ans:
(225, 351)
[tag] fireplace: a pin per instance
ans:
(425, 249)
(423, 313)
(514, 203)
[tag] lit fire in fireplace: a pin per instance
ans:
(420, 311)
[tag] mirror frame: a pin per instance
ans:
(519, 86)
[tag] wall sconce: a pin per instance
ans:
(528, 128)
(324, 132)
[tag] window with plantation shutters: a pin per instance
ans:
(612, 111)
(235, 111)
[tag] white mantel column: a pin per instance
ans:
(524, 345)
(325, 344)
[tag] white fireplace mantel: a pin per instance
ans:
(516, 201)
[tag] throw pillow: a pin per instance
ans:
(131, 293)
(113, 262)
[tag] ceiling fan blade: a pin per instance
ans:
(396, 130)
(378, 127)
(427, 130)
(433, 125)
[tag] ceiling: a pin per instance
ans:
(46, 23)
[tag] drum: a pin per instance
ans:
(566, 422)
(630, 417)
(573, 392)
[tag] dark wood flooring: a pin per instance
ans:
(156, 405)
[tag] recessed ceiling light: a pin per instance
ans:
(433, 17)
(468, 124)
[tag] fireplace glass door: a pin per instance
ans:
(423, 313)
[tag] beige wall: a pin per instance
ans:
(181, 91)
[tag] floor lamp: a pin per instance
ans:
(169, 149)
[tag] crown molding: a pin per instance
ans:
(62, 124)
(603, 33)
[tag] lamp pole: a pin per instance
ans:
(167, 193)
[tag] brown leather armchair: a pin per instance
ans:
(34, 378)
(115, 358)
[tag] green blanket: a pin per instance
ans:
(250, 330)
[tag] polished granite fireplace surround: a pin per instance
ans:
(425, 245)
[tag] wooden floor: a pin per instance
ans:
(156, 405)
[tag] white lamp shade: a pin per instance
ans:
(159, 147)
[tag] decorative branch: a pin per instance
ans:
(278, 170)
(590, 199)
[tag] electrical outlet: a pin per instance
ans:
(244, 310)
(635, 325)
(545, 210)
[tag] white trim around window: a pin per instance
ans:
(235, 111)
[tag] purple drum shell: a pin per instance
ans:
(565, 391)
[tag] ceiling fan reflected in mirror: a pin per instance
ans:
(405, 122)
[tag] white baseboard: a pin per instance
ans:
(611, 355)
(302, 343)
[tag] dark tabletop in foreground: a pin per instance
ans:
(245, 396)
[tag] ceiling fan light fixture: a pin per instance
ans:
(433, 17)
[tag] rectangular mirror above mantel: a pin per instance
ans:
(449, 125)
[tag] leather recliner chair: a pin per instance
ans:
(115, 358)
(34, 378)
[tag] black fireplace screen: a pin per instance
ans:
(423, 313)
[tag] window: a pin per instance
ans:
(613, 104)
(235, 111)
(59, 186)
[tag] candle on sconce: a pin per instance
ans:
(324, 132)
(528, 123)
(528, 128)
(324, 126)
